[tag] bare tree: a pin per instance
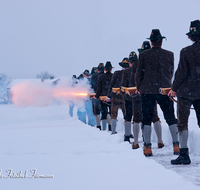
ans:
(5, 89)
(4, 79)
(44, 75)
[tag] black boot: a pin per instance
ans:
(183, 157)
(131, 136)
(99, 127)
(126, 138)
(109, 128)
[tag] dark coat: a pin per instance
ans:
(94, 80)
(128, 79)
(115, 83)
(155, 70)
(103, 84)
(187, 77)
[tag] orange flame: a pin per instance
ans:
(80, 94)
(59, 94)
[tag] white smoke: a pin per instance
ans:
(37, 93)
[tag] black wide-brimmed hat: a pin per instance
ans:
(133, 56)
(86, 72)
(146, 45)
(93, 70)
(100, 67)
(108, 65)
(124, 63)
(155, 35)
(80, 76)
(194, 28)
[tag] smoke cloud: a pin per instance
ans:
(62, 91)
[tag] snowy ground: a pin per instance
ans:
(76, 156)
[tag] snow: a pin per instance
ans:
(78, 156)
(67, 37)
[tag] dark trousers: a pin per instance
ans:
(183, 112)
(115, 105)
(148, 105)
(105, 109)
(134, 108)
(96, 107)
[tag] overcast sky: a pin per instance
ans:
(65, 37)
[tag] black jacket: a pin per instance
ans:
(94, 80)
(187, 77)
(115, 83)
(128, 79)
(155, 70)
(103, 84)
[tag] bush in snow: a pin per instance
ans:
(5, 89)
(44, 75)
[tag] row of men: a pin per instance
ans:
(108, 98)
(152, 71)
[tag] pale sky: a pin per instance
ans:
(65, 37)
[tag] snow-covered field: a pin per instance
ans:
(39, 141)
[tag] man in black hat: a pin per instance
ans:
(86, 74)
(132, 104)
(186, 86)
(155, 71)
(102, 90)
(156, 120)
(96, 107)
(94, 78)
(94, 70)
(82, 113)
(115, 96)
(80, 77)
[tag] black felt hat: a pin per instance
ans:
(86, 72)
(194, 28)
(155, 35)
(124, 63)
(133, 56)
(93, 70)
(80, 76)
(146, 45)
(108, 65)
(100, 67)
